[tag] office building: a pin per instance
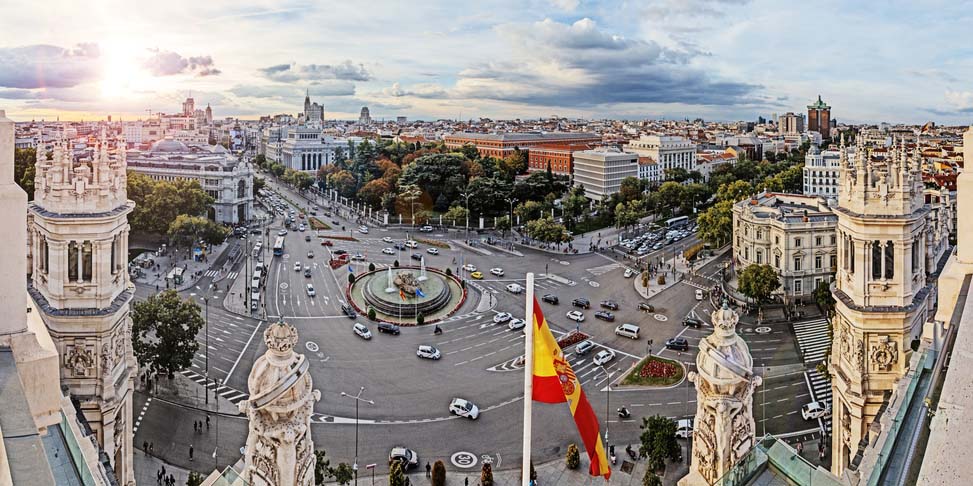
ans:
(819, 118)
(600, 171)
(500, 145)
(669, 151)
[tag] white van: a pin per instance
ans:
(628, 330)
(699, 294)
(255, 283)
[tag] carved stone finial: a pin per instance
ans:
(280, 337)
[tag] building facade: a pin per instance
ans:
(306, 150)
(313, 112)
(669, 151)
(791, 123)
(794, 234)
(364, 118)
(501, 145)
(221, 174)
(649, 170)
(78, 248)
(821, 172)
(558, 157)
(601, 171)
(819, 118)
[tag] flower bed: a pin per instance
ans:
(317, 224)
(339, 237)
(571, 338)
(438, 244)
(655, 371)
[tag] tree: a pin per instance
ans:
(373, 191)
(164, 329)
(503, 224)
(409, 194)
(630, 189)
(528, 210)
(677, 174)
(343, 474)
(258, 184)
(651, 479)
(456, 215)
(627, 214)
(573, 458)
(396, 475)
(658, 441)
(758, 281)
(546, 230)
(194, 479)
(437, 174)
(420, 319)
(322, 467)
(734, 191)
(343, 182)
(516, 162)
(693, 196)
(351, 278)
(486, 475)
(716, 223)
(24, 167)
(158, 203)
(669, 196)
(824, 298)
(439, 473)
(187, 230)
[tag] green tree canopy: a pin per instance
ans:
(546, 230)
(658, 441)
(437, 174)
(630, 189)
(734, 191)
(456, 215)
(516, 162)
(158, 203)
(186, 230)
(758, 282)
(528, 210)
(716, 223)
(24, 167)
(164, 329)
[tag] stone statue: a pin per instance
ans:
(279, 450)
(79, 359)
(725, 384)
(407, 283)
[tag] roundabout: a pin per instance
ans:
(400, 295)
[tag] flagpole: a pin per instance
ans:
(528, 376)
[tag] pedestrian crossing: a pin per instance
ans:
(598, 271)
(820, 387)
(217, 273)
(813, 339)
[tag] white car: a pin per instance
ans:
(426, 229)
(432, 251)
(576, 316)
(469, 267)
(388, 239)
(297, 266)
(388, 251)
(310, 290)
(411, 244)
(816, 410)
(301, 227)
(629, 273)
(502, 317)
(464, 408)
(684, 428)
(362, 229)
(358, 257)
(428, 352)
(516, 324)
(604, 356)
(497, 271)
(515, 288)
(362, 331)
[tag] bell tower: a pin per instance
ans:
(880, 289)
(78, 242)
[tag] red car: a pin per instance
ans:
(326, 243)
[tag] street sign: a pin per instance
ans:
(370, 466)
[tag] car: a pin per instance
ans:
(297, 266)
(335, 221)
(677, 344)
(339, 251)
(432, 251)
(515, 288)
(603, 357)
(629, 273)
(348, 310)
(815, 410)
(310, 254)
(692, 322)
(282, 232)
(497, 271)
(363, 230)
(411, 244)
(310, 290)
(388, 239)
(550, 299)
(604, 315)
(502, 317)
(388, 251)
(576, 316)
(476, 276)
(646, 307)
(699, 294)
(327, 243)
(609, 304)
(406, 457)
(362, 331)
(426, 229)
(307, 237)
(358, 257)
(416, 256)
(399, 246)
(581, 302)
(464, 408)
(307, 272)
(628, 330)
(469, 267)
(583, 347)
(255, 231)
(684, 428)
(428, 352)
(301, 227)
(386, 328)
(516, 324)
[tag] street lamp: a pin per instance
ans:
(466, 195)
(511, 201)
(608, 400)
(206, 354)
(358, 399)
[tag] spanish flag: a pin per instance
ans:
(555, 382)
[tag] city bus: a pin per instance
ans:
(279, 246)
(677, 222)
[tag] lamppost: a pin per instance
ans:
(466, 195)
(511, 201)
(358, 399)
(608, 400)
(206, 354)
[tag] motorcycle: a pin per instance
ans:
(631, 452)
(611, 454)
(624, 413)
(437, 331)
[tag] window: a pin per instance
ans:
(45, 260)
(86, 261)
(876, 260)
(777, 261)
(746, 253)
(915, 255)
(817, 263)
(777, 239)
(798, 287)
(834, 261)
(889, 259)
(817, 241)
(760, 257)
(797, 242)
(72, 261)
(114, 251)
(833, 240)
(797, 264)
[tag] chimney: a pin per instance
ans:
(13, 217)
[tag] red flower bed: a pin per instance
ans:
(658, 369)
(571, 338)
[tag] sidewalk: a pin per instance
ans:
(175, 257)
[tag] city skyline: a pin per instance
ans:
(719, 60)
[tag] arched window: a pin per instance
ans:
(876, 260)
(889, 259)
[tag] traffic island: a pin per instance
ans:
(654, 372)
(406, 295)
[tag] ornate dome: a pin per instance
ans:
(169, 145)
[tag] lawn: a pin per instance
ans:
(317, 224)
(655, 371)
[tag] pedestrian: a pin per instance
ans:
(152, 450)
(163, 471)
(428, 470)
(190, 452)
(195, 426)
(821, 455)
(800, 447)
(466, 481)
(145, 447)
(158, 476)
(207, 421)
(172, 480)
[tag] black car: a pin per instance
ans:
(550, 299)
(335, 221)
(307, 237)
(609, 304)
(677, 344)
(388, 328)
(416, 256)
(348, 310)
(581, 302)
(255, 231)
(692, 322)
(339, 251)
(646, 307)
(399, 246)
(307, 272)
(605, 316)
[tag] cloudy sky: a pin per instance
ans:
(716, 59)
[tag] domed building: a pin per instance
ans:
(220, 173)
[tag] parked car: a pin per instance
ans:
(609, 304)
(684, 428)
(550, 299)
(339, 251)
(502, 317)
(358, 257)
(496, 271)
(386, 328)
(476, 276)
(464, 408)
(515, 288)
(432, 251)
(388, 251)
(426, 229)
(605, 316)
(583, 347)
(581, 302)
(428, 352)
(815, 410)
(677, 344)
(692, 322)
(348, 310)
(576, 316)
(628, 330)
(603, 357)
(362, 331)
(301, 227)
(646, 307)
(516, 324)
(406, 457)
(469, 267)
(310, 290)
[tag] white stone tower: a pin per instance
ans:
(78, 243)
(880, 289)
(724, 428)
(279, 449)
